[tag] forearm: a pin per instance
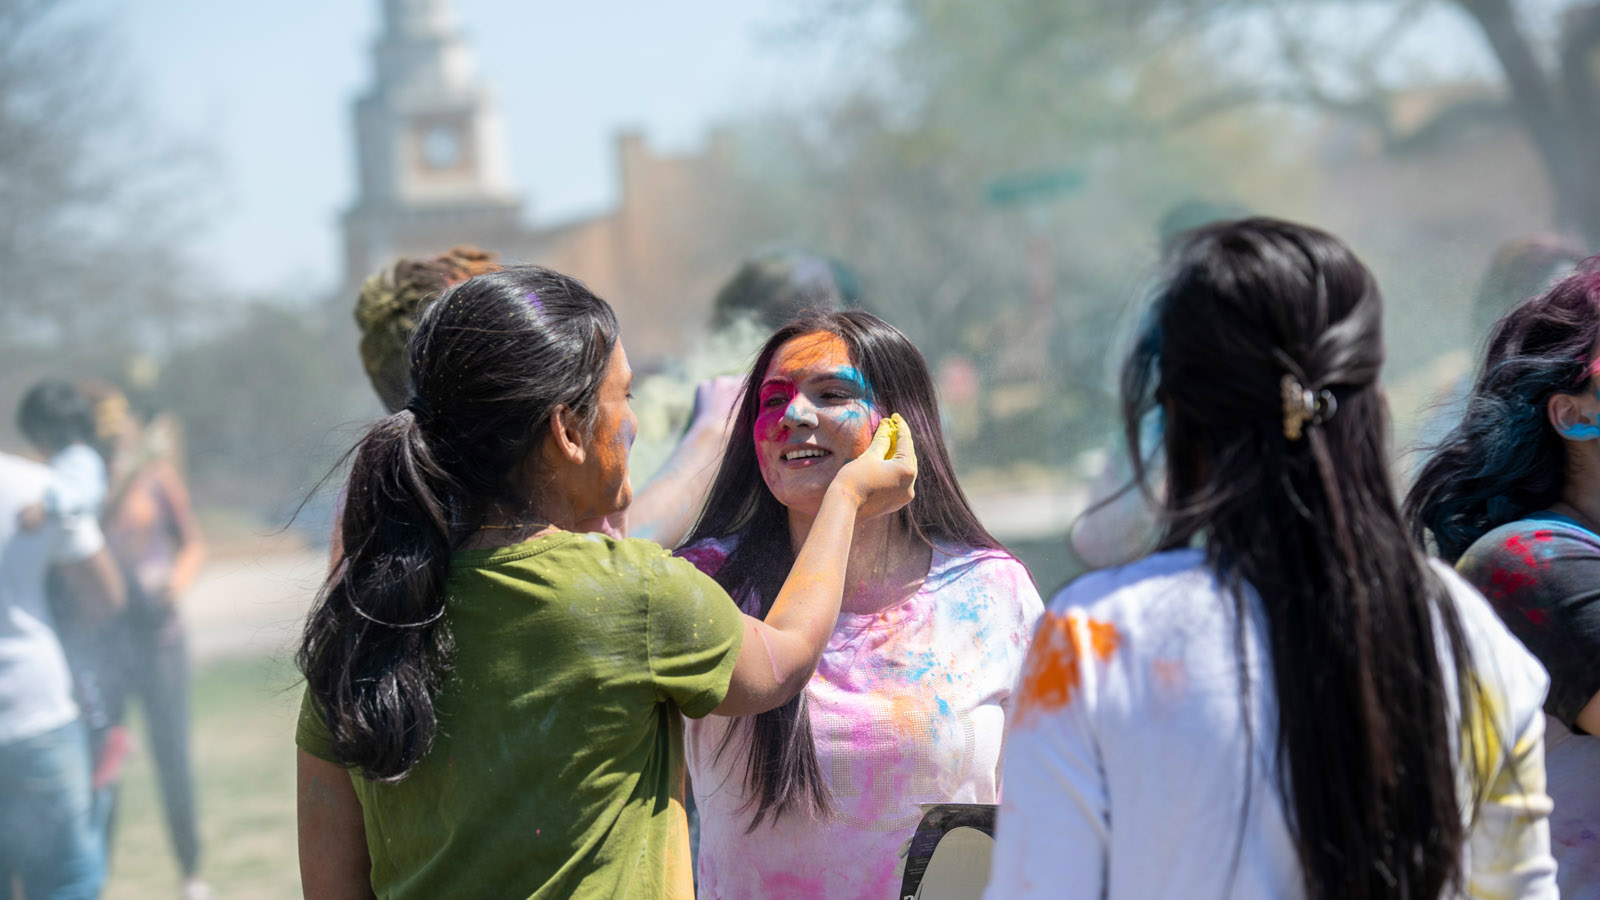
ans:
(187, 566)
(664, 509)
(807, 607)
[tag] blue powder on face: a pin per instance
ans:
(852, 375)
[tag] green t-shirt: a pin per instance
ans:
(558, 766)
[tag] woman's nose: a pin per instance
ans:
(800, 413)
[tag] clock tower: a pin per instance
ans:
(430, 151)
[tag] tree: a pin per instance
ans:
(905, 180)
(1550, 75)
(94, 206)
(1346, 57)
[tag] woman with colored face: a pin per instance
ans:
(494, 695)
(1512, 497)
(909, 702)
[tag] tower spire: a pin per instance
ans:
(417, 17)
(429, 146)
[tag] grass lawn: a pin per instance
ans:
(244, 717)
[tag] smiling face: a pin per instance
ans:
(814, 414)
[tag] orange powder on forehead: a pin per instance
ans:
(1053, 672)
(807, 353)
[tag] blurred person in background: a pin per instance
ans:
(1288, 686)
(772, 288)
(1119, 524)
(155, 539)
(1512, 497)
(59, 422)
(909, 703)
(49, 846)
(56, 419)
(494, 694)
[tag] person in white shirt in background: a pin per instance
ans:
(58, 421)
(47, 840)
(1286, 700)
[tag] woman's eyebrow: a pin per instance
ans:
(846, 374)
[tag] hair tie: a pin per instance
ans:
(401, 625)
(1301, 406)
(419, 411)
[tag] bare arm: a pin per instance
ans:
(95, 584)
(334, 864)
(1589, 716)
(780, 653)
(185, 528)
(664, 510)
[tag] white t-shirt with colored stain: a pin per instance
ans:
(1125, 764)
(35, 683)
(908, 706)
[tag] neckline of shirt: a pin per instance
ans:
(493, 556)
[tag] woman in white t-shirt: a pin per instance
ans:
(908, 706)
(1272, 704)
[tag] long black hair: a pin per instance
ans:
(1505, 460)
(1260, 318)
(781, 770)
(490, 361)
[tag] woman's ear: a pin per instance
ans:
(565, 437)
(1571, 417)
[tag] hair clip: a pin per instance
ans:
(1301, 406)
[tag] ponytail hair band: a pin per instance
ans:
(1302, 406)
(419, 411)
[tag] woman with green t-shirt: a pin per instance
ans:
(493, 693)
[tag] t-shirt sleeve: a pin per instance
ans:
(1509, 842)
(311, 732)
(1054, 829)
(78, 537)
(1545, 585)
(694, 635)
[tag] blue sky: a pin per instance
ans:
(264, 89)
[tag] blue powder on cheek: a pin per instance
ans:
(1582, 432)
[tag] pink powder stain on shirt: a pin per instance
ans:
(788, 884)
(1507, 583)
(705, 556)
(1517, 545)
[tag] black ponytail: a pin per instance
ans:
(491, 360)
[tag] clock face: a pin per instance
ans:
(441, 147)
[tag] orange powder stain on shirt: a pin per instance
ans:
(1052, 673)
